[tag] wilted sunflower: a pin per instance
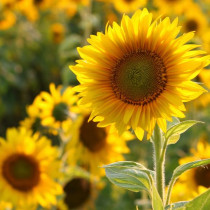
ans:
(196, 180)
(57, 106)
(92, 146)
(139, 73)
(128, 6)
(28, 166)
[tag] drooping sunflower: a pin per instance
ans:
(57, 107)
(127, 6)
(138, 74)
(91, 146)
(28, 167)
(197, 180)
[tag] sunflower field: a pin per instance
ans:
(104, 105)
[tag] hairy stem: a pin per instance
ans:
(159, 161)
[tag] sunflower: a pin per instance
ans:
(70, 6)
(92, 146)
(128, 6)
(58, 31)
(5, 206)
(172, 6)
(33, 121)
(139, 73)
(196, 180)
(28, 167)
(7, 19)
(79, 193)
(192, 22)
(57, 107)
(203, 100)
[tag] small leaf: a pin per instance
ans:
(177, 206)
(157, 203)
(182, 168)
(202, 202)
(129, 175)
(173, 133)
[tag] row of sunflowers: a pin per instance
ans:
(53, 149)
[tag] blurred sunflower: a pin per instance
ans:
(5, 206)
(206, 40)
(7, 19)
(127, 6)
(192, 22)
(33, 121)
(58, 31)
(57, 107)
(28, 166)
(139, 73)
(91, 146)
(79, 194)
(172, 6)
(70, 7)
(195, 181)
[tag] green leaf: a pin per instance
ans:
(129, 175)
(182, 168)
(177, 206)
(157, 203)
(202, 202)
(173, 133)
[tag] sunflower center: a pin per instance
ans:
(60, 112)
(191, 25)
(128, 1)
(202, 176)
(21, 171)
(139, 78)
(92, 137)
(38, 1)
(77, 192)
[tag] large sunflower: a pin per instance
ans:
(196, 180)
(28, 166)
(57, 107)
(92, 146)
(139, 73)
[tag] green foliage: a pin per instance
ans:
(173, 133)
(202, 202)
(182, 168)
(129, 175)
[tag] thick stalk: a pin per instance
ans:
(159, 161)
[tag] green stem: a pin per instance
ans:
(171, 184)
(159, 161)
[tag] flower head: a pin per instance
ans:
(138, 73)
(28, 167)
